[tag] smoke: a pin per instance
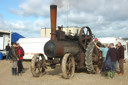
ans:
(59, 3)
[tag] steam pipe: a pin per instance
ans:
(53, 14)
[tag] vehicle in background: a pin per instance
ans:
(32, 46)
(5, 38)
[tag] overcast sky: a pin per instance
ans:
(106, 18)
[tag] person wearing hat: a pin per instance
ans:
(104, 51)
(21, 54)
(14, 57)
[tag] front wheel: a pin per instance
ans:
(68, 66)
(38, 65)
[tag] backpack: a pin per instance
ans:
(108, 64)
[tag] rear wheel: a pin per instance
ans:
(68, 66)
(93, 59)
(38, 65)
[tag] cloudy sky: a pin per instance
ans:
(106, 18)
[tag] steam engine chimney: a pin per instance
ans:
(53, 14)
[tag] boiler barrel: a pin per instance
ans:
(59, 48)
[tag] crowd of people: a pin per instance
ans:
(112, 56)
(15, 53)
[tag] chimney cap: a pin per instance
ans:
(53, 6)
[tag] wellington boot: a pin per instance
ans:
(13, 72)
(113, 74)
(108, 74)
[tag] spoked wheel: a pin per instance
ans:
(38, 65)
(93, 59)
(68, 66)
(85, 36)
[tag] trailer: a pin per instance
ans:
(5, 38)
(32, 46)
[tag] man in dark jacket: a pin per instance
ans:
(121, 58)
(21, 54)
(15, 57)
(7, 51)
(112, 53)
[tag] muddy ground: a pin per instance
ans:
(54, 77)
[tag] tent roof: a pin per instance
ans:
(15, 36)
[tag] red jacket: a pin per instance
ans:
(20, 52)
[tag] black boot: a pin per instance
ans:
(13, 72)
(23, 71)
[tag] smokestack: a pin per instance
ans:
(53, 14)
